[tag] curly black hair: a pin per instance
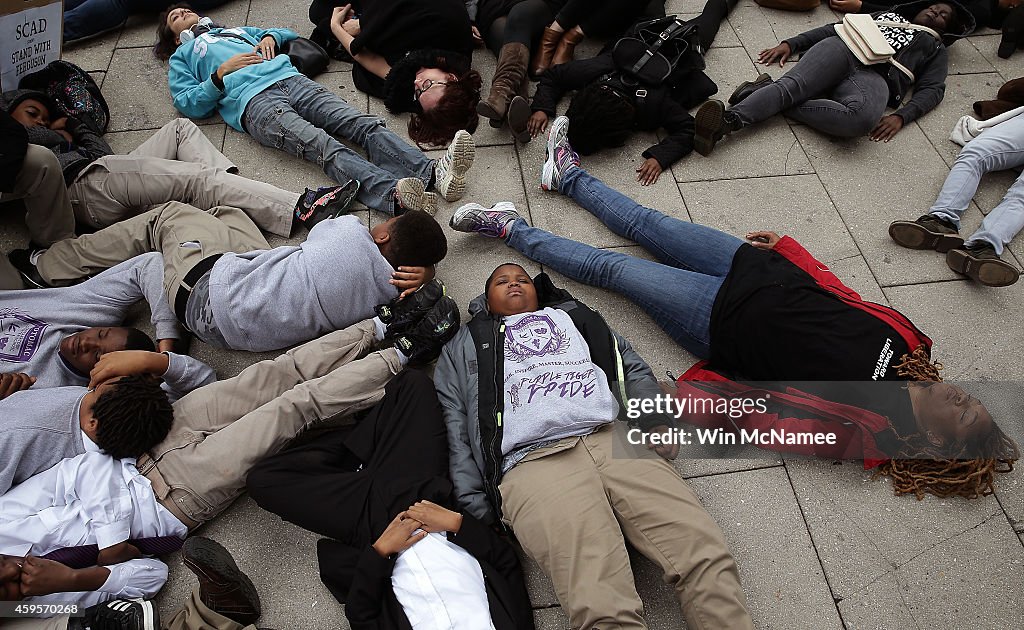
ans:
(601, 117)
(417, 240)
(132, 416)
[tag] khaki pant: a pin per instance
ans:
(221, 430)
(178, 163)
(48, 213)
(570, 505)
(183, 234)
(194, 615)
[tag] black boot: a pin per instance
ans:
(980, 262)
(713, 122)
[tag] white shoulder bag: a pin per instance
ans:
(860, 33)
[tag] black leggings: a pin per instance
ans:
(526, 21)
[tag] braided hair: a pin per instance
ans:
(132, 416)
(945, 473)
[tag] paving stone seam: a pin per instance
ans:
(836, 207)
(729, 472)
(1017, 527)
(814, 546)
(914, 284)
(894, 573)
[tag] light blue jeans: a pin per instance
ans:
(678, 291)
(996, 149)
(302, 117)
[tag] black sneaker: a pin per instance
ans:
(24, 261)
(927, 232)
(423, 343)
(749, 87)
(223, 588)
(331, 202)
(980, 262)
(400, 315)
(123, 614)
(712, 123)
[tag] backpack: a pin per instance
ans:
(74, 91)
(659, 51)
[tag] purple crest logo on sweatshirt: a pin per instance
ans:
(19, 336)
(534, 336)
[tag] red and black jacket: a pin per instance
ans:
(857, 429)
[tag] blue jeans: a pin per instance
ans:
(678, 291)
(84, 18)
(996, 149)
(828, 90)
(302, 117)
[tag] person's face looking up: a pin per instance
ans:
(511, 291)
(429, 86)
(936, 17)
(180, 20)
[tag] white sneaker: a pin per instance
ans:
(450, 169)
(409, 193)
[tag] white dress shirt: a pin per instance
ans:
(91, 499)
(441, 586)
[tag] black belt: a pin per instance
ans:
(199, 270)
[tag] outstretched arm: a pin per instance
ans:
(346, 29)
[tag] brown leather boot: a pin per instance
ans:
(991, 109)
(566, 46)
(518, 117)
(545, 50)
(223, 587)
(1013, 91)
(508, 77)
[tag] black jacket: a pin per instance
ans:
(371, 604)
(927, 58)
(86, 147)
(13, 144)
(661, 107)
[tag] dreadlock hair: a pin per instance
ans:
(166, 41)
(132, 416)
(456, 110)
(417, 240)
(601, 117)
(138, 340)
(920, 467)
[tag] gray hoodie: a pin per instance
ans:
(33, 322)
(275, 298)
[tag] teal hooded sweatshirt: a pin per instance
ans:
(193, 64)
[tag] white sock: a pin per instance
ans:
(379, 329)
(404, 360)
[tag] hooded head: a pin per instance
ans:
(31, 108)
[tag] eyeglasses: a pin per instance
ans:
(427, 84)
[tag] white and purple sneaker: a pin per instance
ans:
(560, 157)
(492, 222)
